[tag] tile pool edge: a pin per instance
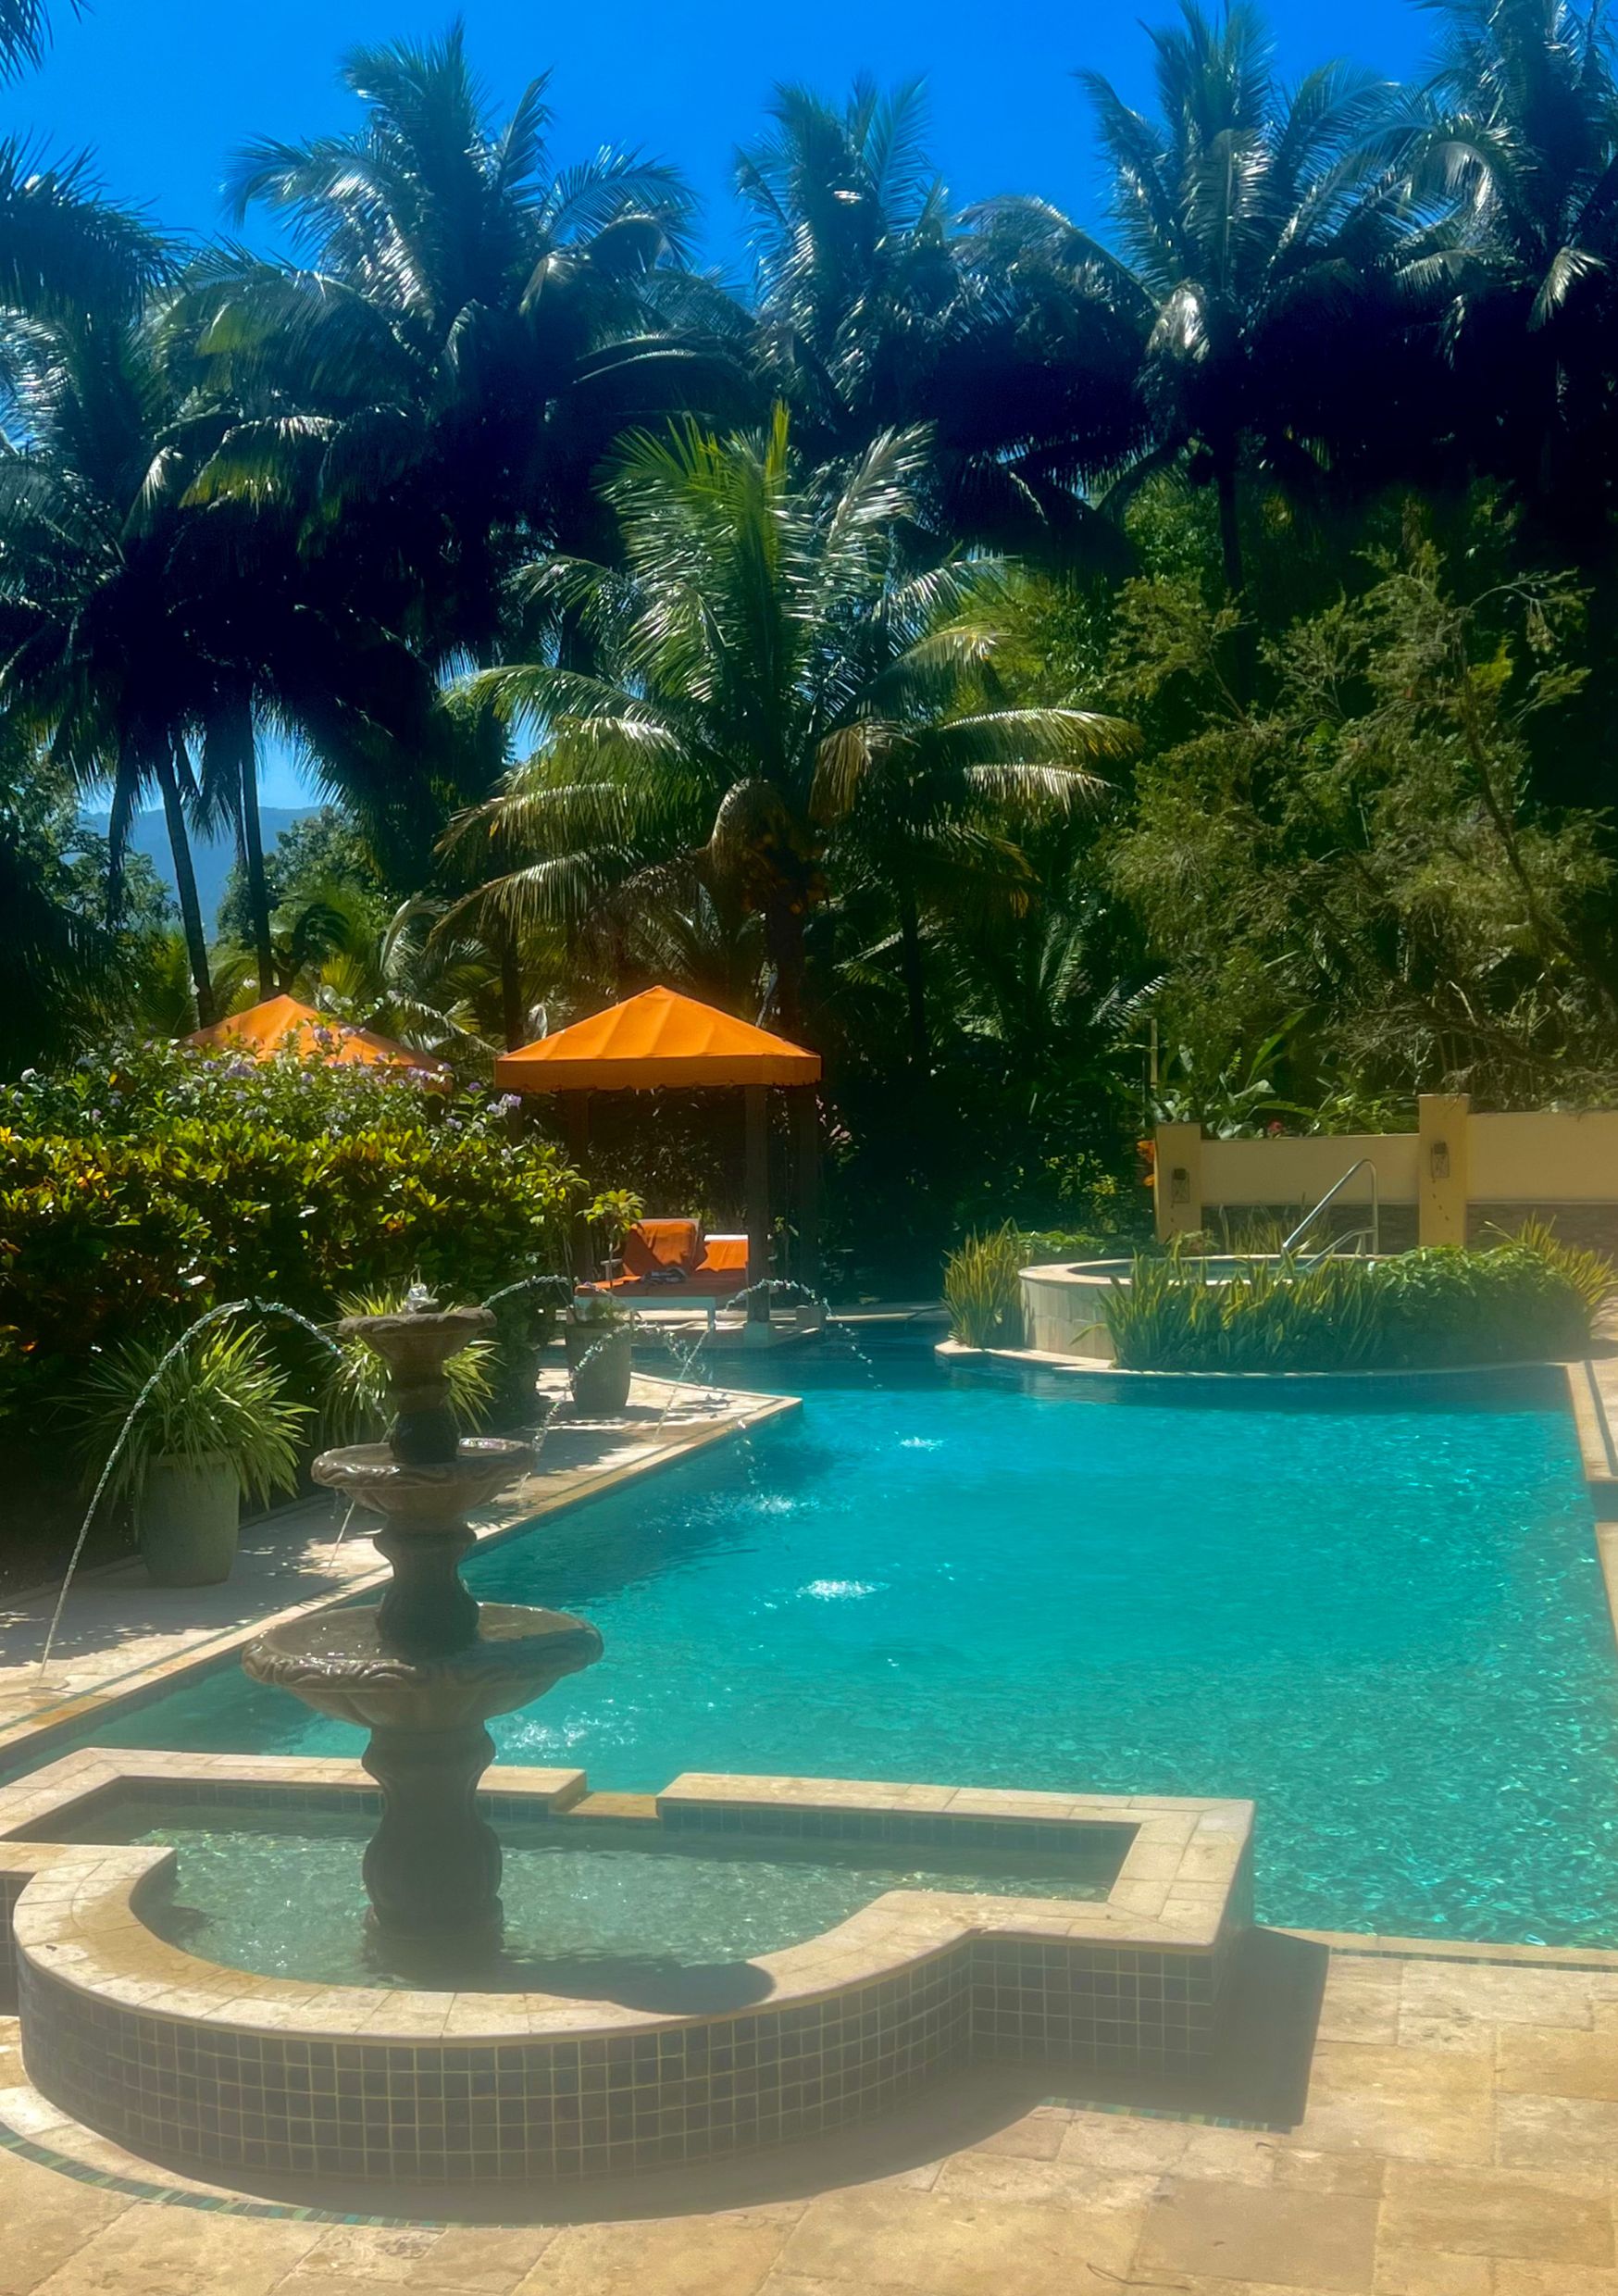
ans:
(505, 1519)
(194, 2061)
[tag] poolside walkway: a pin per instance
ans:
(1437, 2128)
(119, 1628)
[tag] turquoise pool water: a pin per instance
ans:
(1386, 1626)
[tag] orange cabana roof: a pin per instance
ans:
(654, 1039)
(265, 1029)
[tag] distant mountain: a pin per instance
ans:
(211, 857)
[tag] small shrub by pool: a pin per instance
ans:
(982, 1280)
(1526, 1299)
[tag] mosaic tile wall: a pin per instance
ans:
(11, 1888)
(1032, 1998)
(436, 2111)
(1098, 1845)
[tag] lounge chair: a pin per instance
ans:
(666, 1260)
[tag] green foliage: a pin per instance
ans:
(1424, 1310)
(1353, 876)
(321, 860)
(982, 1289)
(224, 1398)
(778, 692)
(355, 1408)
(140, 1187)
(1591, 1274)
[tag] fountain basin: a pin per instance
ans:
(209, 2065)
(338, 1662)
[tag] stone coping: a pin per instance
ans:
(76, 1912)
(509, 1517)
(1104, 1375)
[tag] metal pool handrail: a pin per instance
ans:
(1363, 1164)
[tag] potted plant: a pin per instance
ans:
(598, 1336)
(216, 1427)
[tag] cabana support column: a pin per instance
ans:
(574, 1108)
(756, 1109)
(805, 1107)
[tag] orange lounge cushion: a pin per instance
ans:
(654, 1247)
(724, 1255)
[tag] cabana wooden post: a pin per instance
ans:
(660, 1040)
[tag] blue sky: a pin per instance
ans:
(164, 90)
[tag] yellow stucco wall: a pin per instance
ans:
(1544, 1158)
(1299, 1171)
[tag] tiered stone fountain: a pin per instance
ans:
(428, 1667)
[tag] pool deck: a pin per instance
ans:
(1395, 2118)
(121, 1635)
(1414, 2126)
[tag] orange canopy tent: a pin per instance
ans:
(265, 1029)
(660, 1039)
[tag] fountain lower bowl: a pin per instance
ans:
(338, 1664)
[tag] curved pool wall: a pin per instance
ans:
(213, 2068)
(1379, 1616)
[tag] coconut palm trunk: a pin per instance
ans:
(1229, 519)
(251, 834)
(191, 916)
(914, 981)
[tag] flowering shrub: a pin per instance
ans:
(140, 1187)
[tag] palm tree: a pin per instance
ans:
(25, 34)
(94, 661)
(772, 678)
(432, 395)
(472, 331)
(1516, 146)
(94, 654)
(869, 319)
(1254, 239)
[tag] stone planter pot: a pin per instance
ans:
(185, 1519)
(601, 1387)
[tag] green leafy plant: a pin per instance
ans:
(147, 1184)
(225, 1398)
(1424, 1310)
(357, 1408)
(1590, 1273)
(982, 1289)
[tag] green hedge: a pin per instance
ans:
(145, 1186)
(1522, 1301)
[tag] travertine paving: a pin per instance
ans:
(1438, 2128)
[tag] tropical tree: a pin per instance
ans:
(93, 661)
(773, 679)
(869, 319)
(472, 331)
(25, 34)
(1516, 146)
(1255, 225)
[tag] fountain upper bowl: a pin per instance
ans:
(426, 1495)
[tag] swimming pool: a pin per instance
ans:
(1386, 1626)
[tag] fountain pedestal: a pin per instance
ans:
(428, 1666)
